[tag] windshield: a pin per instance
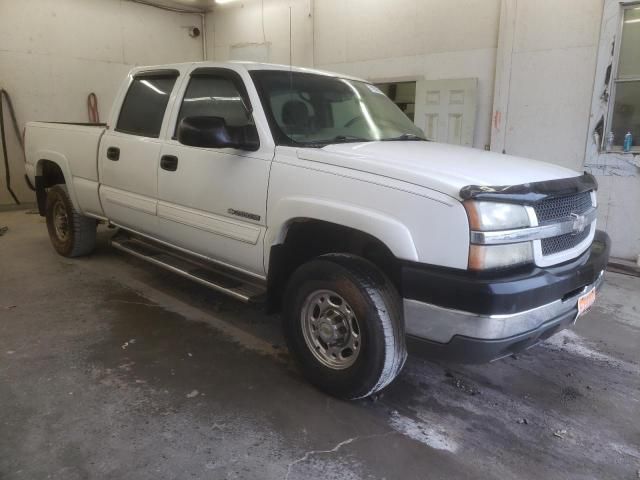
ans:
(316, 110)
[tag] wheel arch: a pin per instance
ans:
(52, 168)
(388, 230)
(375, 237)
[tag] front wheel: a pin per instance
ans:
(71, 233)
(343, 321)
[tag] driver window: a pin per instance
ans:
(214, 97)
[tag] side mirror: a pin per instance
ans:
(205, 132)
(213, 132)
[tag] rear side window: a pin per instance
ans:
(145, 103)
(212, 96)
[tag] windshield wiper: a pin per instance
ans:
(349, 138)
(341, 139)
(405, 136)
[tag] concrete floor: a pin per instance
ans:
(112, 368)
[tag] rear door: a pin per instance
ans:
(212, 201)
(130, 152)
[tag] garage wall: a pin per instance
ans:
(432, 39)
(545, 74)
(618, 174)
(236, 31)
(53, 53)
(374, 39)
(551, 55)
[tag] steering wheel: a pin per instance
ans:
(359, 118)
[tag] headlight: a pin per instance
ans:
(493, 216)
(488, 216)
(486, 257)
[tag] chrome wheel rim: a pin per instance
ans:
(60, 221)
(330, 329)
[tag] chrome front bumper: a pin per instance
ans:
(436, 324)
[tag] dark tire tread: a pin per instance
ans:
(377, 293)
(83, 229)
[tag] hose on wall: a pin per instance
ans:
(92, 108)
(4, 97)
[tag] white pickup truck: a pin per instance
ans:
(311, 192)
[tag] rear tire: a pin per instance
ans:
(71, 234)
(343, 322)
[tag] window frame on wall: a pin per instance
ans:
(615, 79)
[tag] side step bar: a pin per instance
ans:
(221, 279)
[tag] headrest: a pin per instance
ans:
(295, 113)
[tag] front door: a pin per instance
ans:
(213, 201)
(129, 153)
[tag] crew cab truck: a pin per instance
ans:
(312, 193)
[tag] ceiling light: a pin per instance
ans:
(222, 2)
(635, 20)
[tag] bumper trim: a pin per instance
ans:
(438, 324)
(473, 350)
(505, 291)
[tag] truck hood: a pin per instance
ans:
(437, 166)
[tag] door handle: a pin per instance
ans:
(169, 163)
(113, 153)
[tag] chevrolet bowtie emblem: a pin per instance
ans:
(579, 223)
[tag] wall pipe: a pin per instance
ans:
(4, 96)
(203, 22)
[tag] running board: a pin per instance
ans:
(210, 275)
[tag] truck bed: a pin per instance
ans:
(74, 146)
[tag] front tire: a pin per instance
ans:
(343, 322)
(71, 234)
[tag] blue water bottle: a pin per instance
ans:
(628, 141)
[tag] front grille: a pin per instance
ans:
(562, 207)
(563, 242)
(558, 209)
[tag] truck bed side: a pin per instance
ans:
(74, 149)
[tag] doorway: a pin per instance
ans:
(403, 94)
(444, 109)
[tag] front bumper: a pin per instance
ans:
(476, 318)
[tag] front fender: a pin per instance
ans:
(395, 235)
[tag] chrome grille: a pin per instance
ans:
(559, 208)
(562, 207)
(563, 242)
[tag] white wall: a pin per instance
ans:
(552, 60)
(239, 24)
(432, 39)
(618, 174)
(53, 53)
(545, 79)
(374, 39)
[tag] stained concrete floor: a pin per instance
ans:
(112, 368)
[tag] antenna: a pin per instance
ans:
(290, 53)
(290, 43)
